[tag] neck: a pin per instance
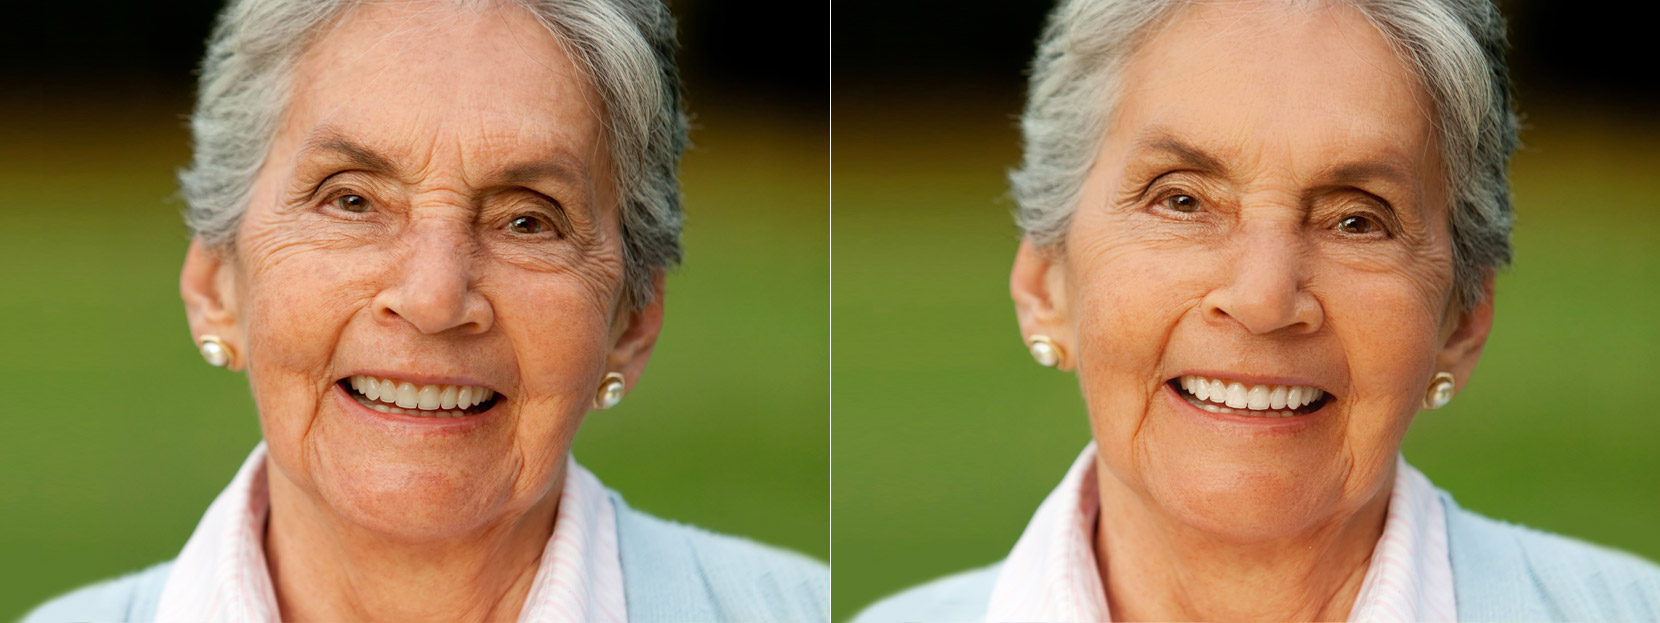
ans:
(1156, 569)
(325, 568)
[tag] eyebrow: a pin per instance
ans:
(1353, 173)
(1390, 169)
(559, 165)
(330, 139)
(1162, 141)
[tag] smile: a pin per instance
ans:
(1233, 397)
(390, 395)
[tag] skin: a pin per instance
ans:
(437, 204)
(1268, 203)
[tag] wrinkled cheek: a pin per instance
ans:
(1124, 316)
(288, 351)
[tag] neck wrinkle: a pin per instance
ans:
(325, 569)
(1154, 569)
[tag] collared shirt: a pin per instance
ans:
(1051, 574)
(221, 574)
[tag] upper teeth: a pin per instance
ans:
(411, 396)
(1255, 397)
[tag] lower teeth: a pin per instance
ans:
(1214, 408)
(386, 408)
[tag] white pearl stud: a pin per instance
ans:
(610, 391)
(215, 351)
(1045, 351)
(1440, 391)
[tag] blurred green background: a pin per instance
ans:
(118, 435)
(947, 436)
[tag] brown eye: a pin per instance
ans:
(527, 225)
(1182, 203)
(352, 203)
(1357, 225)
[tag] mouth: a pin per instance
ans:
(1221, 395)
(392, 395)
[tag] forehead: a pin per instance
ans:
(412, 76)
(1311, 80)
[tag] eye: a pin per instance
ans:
(1182, 203)
(352, 203)
(1358, 225)
(528, 225)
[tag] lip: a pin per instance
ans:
(424, 379)
(1246, 424)
(399, 424)
(1251, 379)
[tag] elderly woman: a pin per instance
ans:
(1263, 234)
(434, 235)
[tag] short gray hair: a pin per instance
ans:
(625, 48)
(1456, 48)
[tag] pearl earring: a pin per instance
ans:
(215, 351)
(1045, 351)
(610, 391)
(1440, 391)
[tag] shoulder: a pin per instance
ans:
(672, 570)
(1506, 571)
(132, 597)
(959, 597)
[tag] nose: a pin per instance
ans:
(432, 283)
(1264, 290)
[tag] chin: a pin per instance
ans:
(1243, 500)
(417, 500)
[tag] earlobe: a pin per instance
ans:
(207, 285)
(1038, 287)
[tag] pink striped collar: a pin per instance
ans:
(221, 574)
(1051, 574)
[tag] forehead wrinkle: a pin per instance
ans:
(558, 164)
(592, 100)
(1388, 169)
(330, 139)
(1159, 140)
(326, 44)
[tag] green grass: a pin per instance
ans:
(947, 436)
(118, 436)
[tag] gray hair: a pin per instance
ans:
(1456, 48)
(624, 47)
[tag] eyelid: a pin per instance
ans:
(329, 198)
(1163, 195)
(550, 210)
(1373, 207)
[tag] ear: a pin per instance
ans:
(634, 334)
(208, 285)
(1465, 335)
(1038, 286)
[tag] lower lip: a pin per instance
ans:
(1247, 423)
(399, 423)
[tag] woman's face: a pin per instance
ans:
(437, 210)
(1267, 209)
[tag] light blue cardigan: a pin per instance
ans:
(671, 572)
(1501, 572)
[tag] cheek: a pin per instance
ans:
(559, 330)
(297, 303)
(1389, 329)
(1126, 298)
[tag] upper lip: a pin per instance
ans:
(1257, 379)
(428, 379)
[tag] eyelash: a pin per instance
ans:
(1382, 229)
(551, 225)
(1160, 199)
(332, 199)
